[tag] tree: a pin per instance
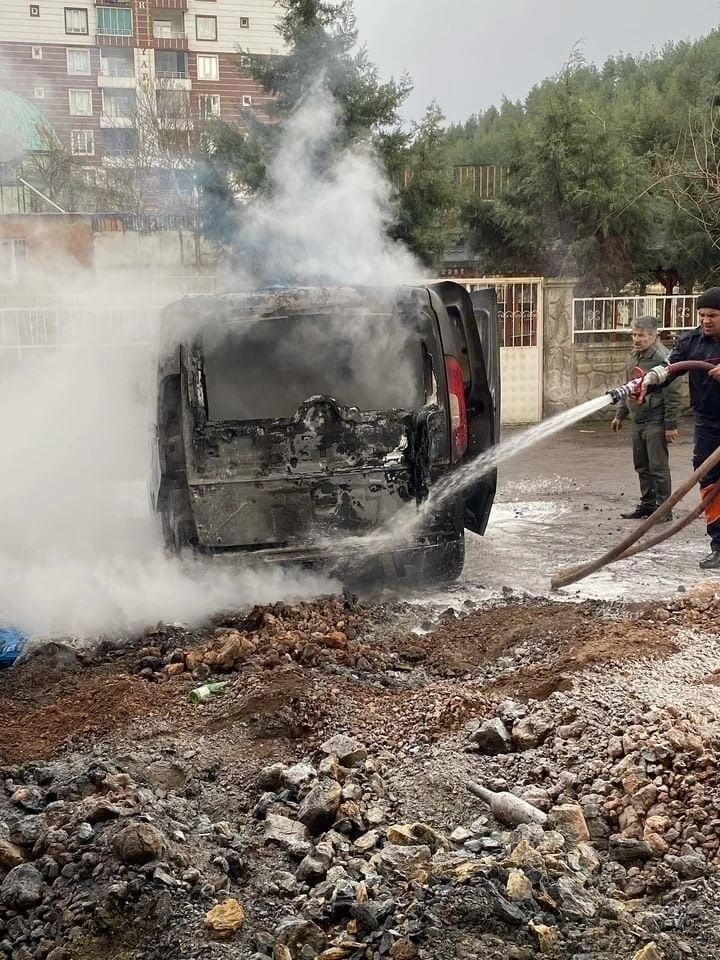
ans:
(575, 204)
(427, 215)
(609, 171)
(322, 55)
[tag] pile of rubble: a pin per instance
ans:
(583, 825)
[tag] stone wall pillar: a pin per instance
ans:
(558, 367)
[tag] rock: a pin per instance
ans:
(650, 951)
(270, 778)
(284, 831)
(518, 887)
(296, 776)
(139, 843)
(29, 798)
(493, 737)
(10, 855)
(628, 851)
(412, 862)
(568, 819)
(349, 752)
(225, 919)
(547, 937)
(316, 864)
(294, 933)
(575, 901)
(530, 732)
(22, 887)
(367, 841)
(318, 808)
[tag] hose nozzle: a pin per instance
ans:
(653, 378)
(617, 394)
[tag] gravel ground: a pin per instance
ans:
(319, 805)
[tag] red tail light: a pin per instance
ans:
(458, 410)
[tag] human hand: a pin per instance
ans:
(714, 373)
(671, 436)
(616, 424)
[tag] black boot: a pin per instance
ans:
(711, 561)
(641, 511)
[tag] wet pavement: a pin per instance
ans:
(559, 504)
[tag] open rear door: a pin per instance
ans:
(474, 317)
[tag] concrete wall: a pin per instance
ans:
(165, 249)
(51, 237)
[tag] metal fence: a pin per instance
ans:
(519, 303)
(599, 319)
(71, 322)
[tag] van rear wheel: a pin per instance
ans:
(178, 528)
(444, 562)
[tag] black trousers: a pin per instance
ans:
(707, 440)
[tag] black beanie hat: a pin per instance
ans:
(710, 299)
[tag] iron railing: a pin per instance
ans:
(597, 319)
(519, 304)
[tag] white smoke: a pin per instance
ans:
(79, 552)
(329, 226)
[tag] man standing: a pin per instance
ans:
(654, 422)
(702, 343)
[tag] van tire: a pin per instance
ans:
(178, 527)
(443, 563)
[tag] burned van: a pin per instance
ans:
(291, 422)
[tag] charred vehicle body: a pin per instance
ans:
(290, 421)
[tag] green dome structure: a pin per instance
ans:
(23, 128)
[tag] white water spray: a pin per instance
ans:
(410, 520)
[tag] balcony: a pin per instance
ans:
(129, 83)
(171, 42)
(114, 40)
(169, 4)
(173, 82)
(109, 122)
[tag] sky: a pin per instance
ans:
(469, 54)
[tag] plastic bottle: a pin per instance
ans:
(207, 690)
(506, 807)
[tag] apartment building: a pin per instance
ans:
(115, 78)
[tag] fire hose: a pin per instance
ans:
(628, 546)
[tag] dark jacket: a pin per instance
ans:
(704, 392)
(660, 407)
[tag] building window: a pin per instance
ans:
(247, 100)
(171, 65)
(13, 257)
(207, 67)
(244, 23)
(117, 62)
(78, 62)
(120, 142)
(209, 106)
(76, 20)
(36, 53)
(119, 103)
(162, 29)
(114, 22)
(39, 93)
(206, 28)
(80, 103)
(82, 143)
(34, 10)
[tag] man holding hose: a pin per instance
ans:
(654, 422)
(702, 343)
